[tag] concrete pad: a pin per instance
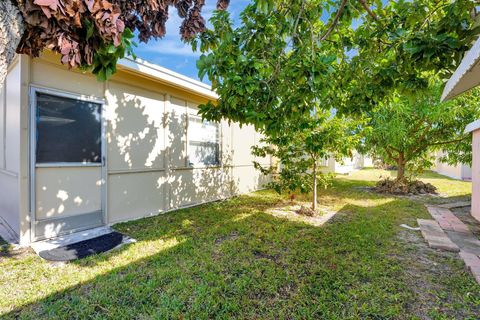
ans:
(458, 204)
(73, 238)
(472, 262)
(466, 242)
(435, 236)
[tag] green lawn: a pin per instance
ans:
(233, 259)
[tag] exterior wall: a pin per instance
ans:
(348, 165)
(476, 175)
(460, 171)
(147, 144)
(10, 102)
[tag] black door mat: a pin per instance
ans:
(83, 249)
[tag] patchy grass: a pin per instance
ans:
(233, 259)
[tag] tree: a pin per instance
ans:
(402, 47)
(90, 34)
(299, 148)
(283, 52)
(406, 131)
(11, 29)
(273, 65)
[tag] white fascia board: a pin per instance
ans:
(475, 125)
(169, 76)
(467, 75)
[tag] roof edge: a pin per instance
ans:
(176, 79)
(475, 125)
(468, 62)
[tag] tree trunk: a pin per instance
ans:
(401, 166)
(11, 30)
(314, 200)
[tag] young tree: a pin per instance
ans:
(408, 130)
(300, 147)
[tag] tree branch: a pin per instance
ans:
(335, 20)
(369, 11)
(389, 153)
(448, 142)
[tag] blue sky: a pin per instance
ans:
(170, 52)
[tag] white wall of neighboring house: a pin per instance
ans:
(459, 171)
(347, 164)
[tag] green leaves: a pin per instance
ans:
(419, 126)
(106, 57)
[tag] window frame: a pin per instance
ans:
(34, 90)
(219, 164)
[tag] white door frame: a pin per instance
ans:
(32, 148)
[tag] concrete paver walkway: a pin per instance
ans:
(448, 232)
(435, 236)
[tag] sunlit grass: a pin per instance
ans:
(232, 259)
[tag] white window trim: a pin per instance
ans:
(220, 145)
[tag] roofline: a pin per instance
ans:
(471, 58)
(142, 67)
(475, 125)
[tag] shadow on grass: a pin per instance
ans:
(231, 259)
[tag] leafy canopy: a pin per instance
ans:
(272, 66)
(350, 55)
(403, 47)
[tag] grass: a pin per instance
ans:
(232, 259)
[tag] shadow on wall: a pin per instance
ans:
(148, 163)
(153, 143)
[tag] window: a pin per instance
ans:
(68, 130)
(203, 142)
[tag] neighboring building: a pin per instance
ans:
(347, 165)
(460, 171)
(466, 77)
(76, 154)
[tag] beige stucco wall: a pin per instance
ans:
(146, 135)
(476, 175)
(10, 106)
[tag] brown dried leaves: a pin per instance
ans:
(77, 28)
(63, 26)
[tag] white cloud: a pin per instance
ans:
(167, 46)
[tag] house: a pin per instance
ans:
(466, 77)
(460, 171)
(76, 154)
(347, 165)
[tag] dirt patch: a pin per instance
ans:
(404, 187)
(422, 267)
(294, 212)
(231, 236)
(8, 251)
(262, 255)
